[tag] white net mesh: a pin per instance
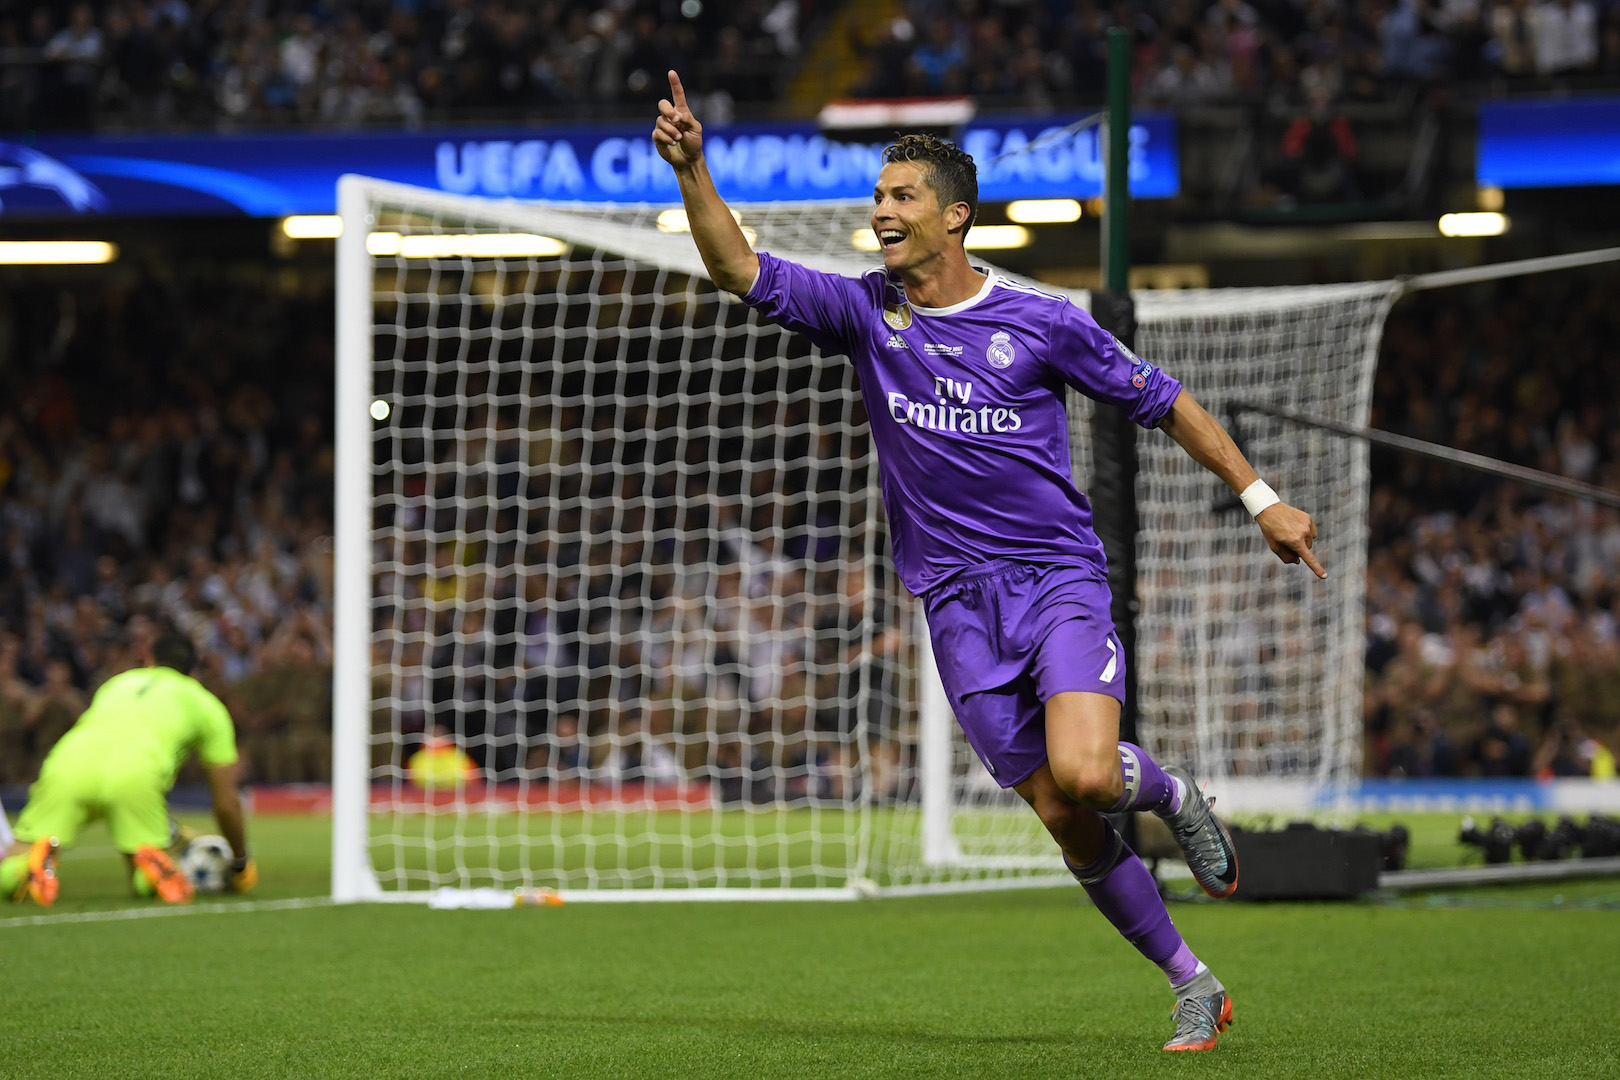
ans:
(1250, 668)
(633, 624)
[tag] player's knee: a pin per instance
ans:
(1094, 784)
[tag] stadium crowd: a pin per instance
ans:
(166, 458)
(1277, 52)
(1493, 608)
(161, 63)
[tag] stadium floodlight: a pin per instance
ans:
(1480, 223)
(675, 220)
(1042, 211)
(578, 509)
(997, 237)
(491, 245)
(312, 227)
(56, 252)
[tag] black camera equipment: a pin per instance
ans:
(1601, 838)
(1496, 841)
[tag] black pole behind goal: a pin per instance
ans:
(1113, 436)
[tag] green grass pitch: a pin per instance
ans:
(1510, 982)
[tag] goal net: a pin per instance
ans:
(615, 613)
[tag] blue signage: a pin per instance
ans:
(1566, 143)
(274, 175)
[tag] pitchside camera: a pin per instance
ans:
(1599, 838)
(1496, 841)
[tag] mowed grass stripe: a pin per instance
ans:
(1019, 985)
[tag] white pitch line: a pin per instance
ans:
(122, 914)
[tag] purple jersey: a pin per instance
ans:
(967, 411)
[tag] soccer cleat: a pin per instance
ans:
(40, 886)
(1204, 841)
(171, 885)
(1202, 1012)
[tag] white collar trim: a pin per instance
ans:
(984, 291)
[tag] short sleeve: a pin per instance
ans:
(216, 744)
(818, 305)
(1092, 360)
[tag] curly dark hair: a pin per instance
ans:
(947, 168)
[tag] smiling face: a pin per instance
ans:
(914, 232)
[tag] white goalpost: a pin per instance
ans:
(615, 614)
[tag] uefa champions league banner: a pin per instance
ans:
(1573, 142)
(276, 175)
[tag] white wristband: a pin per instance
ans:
(1257, 496)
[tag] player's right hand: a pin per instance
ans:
(244, 875)
(1290, 533)
(676, 132)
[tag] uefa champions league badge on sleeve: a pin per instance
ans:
(1000, 352)
(1140, 368)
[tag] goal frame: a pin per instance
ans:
(353, 877)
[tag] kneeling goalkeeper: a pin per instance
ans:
(119, 762)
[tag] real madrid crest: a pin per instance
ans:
(1000, 352)
(897, 315)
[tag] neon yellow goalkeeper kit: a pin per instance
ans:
(119, 761)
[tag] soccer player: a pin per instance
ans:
(962, 372)
(118, 762)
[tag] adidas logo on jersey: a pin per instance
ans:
(897, 342)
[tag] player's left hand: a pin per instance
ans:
(244, 875)
(1290, 533)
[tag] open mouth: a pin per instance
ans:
(890, 237)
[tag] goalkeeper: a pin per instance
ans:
(963, 374)
(118, 762)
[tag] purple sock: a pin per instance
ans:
(1147, 787)
(1128, 897)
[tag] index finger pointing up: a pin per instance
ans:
(676, 90)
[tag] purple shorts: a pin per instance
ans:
(1008, 636)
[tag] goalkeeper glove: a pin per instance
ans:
(244, 874)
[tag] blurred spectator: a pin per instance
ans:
(440, 763)
(939, 64)
(1512, 43)
(1564, 36)
(1502, 748)
(1319, 152)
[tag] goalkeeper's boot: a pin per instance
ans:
(40, 886)
(167, 880)
(1204, 840)
(1202, 1012)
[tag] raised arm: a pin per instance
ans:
(679, 138)
(1289, 532)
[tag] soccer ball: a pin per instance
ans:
(206, 860)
